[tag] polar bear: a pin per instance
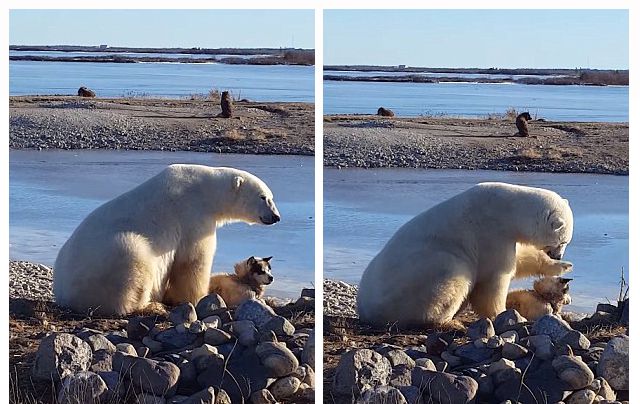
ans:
(156, 242)
(463, 249)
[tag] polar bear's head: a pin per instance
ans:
(252, 200)
(556, 226)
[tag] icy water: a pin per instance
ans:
(558, 103)
(52, 191)
(173, 80)
(364, 208)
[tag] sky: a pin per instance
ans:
(478, 38)
(164, 28)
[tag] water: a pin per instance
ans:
(364, 208)
(558, 103)
(52, 191)
(174, 80)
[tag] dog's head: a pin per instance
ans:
(259, 269)
(554, 289)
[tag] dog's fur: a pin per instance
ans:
(249, 282)
(548, 296)
(521, 123)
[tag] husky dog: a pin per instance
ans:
(548, 296)
(249, 282)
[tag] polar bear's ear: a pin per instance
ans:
(237, 182)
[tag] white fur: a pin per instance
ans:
(157, 241)
(463, 249)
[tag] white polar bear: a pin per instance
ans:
(463, 249)
(156, 242)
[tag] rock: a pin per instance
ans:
(153, 345)
(607, 308)
(562, 349)
(255, 311)
(444, 388)
(398, 357)
(543, 386)
(148, 375)
(541, 345)
(263, 396)
(437, 343)
(576, 340)
(215, 336)
(85, 92)
(510, 336)
(198, 327)
(244, 330)
(139, 327)
(359, 370)
(506, 375)
(277, 358)
(205, 396)
(382, 395)
(452, 360)
(99, 341)
(412, 394)
(60, 355)
(581, 397)
(82, 387)
(573, 371)
(183, 313)
(400, 376)
(127, 348)
(210, 305)
(385, 112)
(482, 328)
(471, 354)
(507, 320)
(551, 325)
(188, 379)
(614, 363)
(284, 387)
(204, 350)
(602, 388)
(310, 376)
(309, 350)
(280, 326)
(212, 321)
(495, 342)
(514, 351)
(115, 387)
(425, 363)
(101, 361)
(500, 364)
(150, 399)
(172, 339)
(143, 351)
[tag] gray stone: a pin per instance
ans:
(603, 389)
(138, 327)
(101, 361)
(576, 340)
(581, 397)
(115, 387)
(309, 350)
(60, 355)
(215, 336)
(82, 387)
(543, 386)
(507, 320)
(149, 399)
(277, 358)
(198, 327)
(506, 375)
(263, 396)
(398, 357)
(172, 339)
(183, 313)
(400, 376)
(573, 371)
(471, 354)
(359, 370)
(614, 363)
(244, 330)
(255, 311)
(212, 321)
(510, 336)
(500, 364)
(153, 345)
(188, 379)
(143, 351)
(551, 325)
(444, 388)
(425, 363)
(98, 342)
(451, 359)
(280, 326)
(541, 345)
(285, 387)
(495, 342)
(148, 375)
(310, 376)
(482, 328)
(205, 396)
(210, 305)
(412, 394)
(382, 395)
(437, 343)
(127, 348)
(514, 351)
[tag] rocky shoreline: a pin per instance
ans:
(207, 353)
(142, 123)
(508, 360)
(367, 141)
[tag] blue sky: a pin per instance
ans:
(478, 38)
(163, 28)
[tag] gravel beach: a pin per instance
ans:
(67, 122)
(366, 141)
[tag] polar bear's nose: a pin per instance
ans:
(276, 218)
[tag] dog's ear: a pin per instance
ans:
(251, 260)
(267, 259)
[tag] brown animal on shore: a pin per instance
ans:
(521, 123)
(385, 112)
(548, 296)
(85, 92)
(249, 282)
(226, 103)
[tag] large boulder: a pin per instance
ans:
(148, 375)
(86, 92)
(359, 370)
(614, 363)
(444, 388)
(256, 311)
(59, 355)
(82, 387)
